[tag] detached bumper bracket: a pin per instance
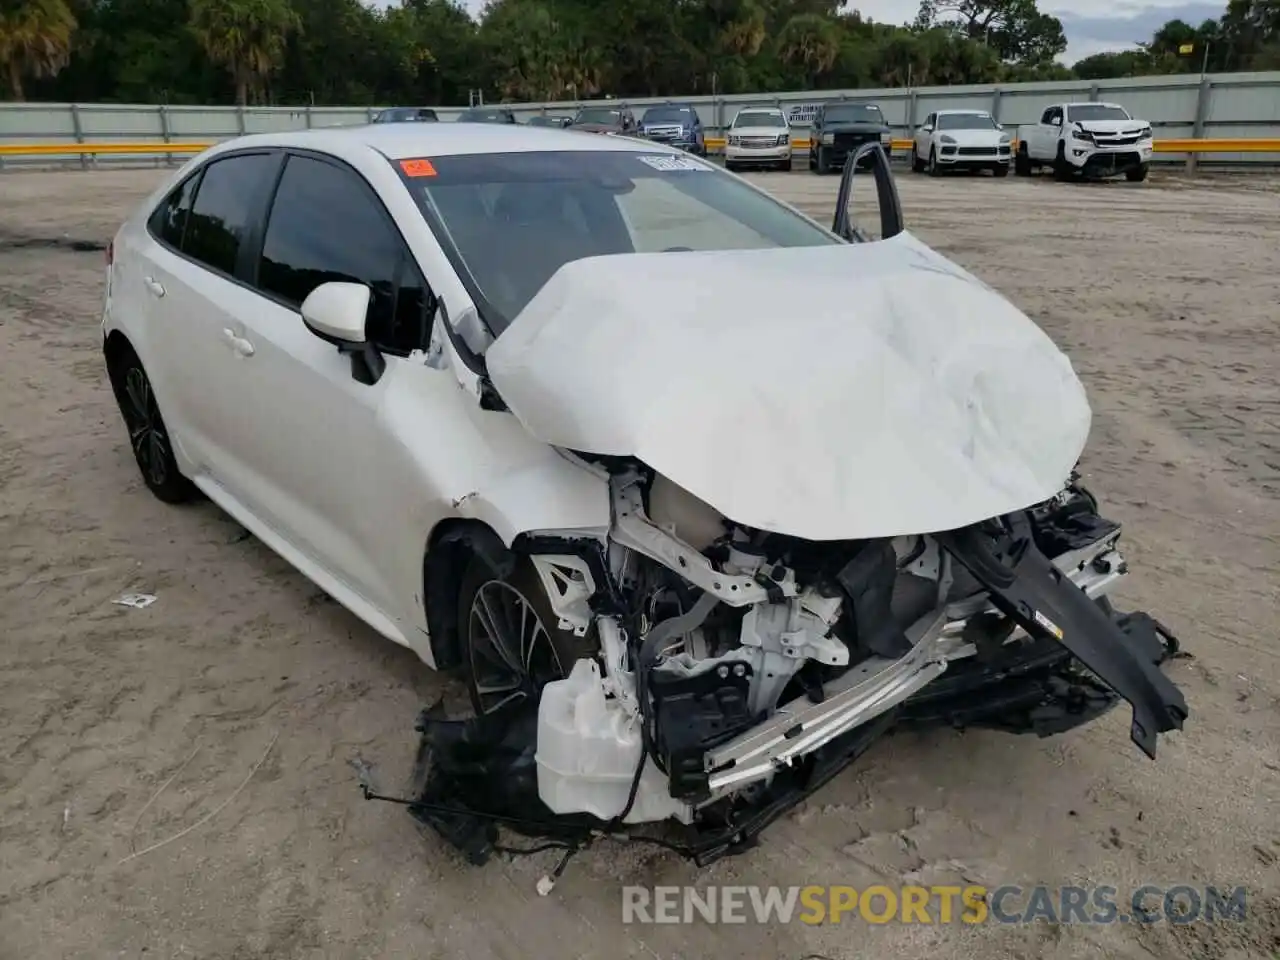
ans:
(1045, 603)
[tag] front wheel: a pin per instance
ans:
(1000, 170)
(934, 169)
(786, 165)
(512, 644)
(917, 165)
(148, 435)
(1138, 173)
(1061, 169)
(824, 161)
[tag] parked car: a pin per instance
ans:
(840, 128)
(406, 115)
(758, 136)
(611, 119)
(544, 120)
(487, 115)
(1095, 140)
(407, 359)
(677, 124)
(961, 140)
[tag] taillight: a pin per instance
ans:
(111, 252)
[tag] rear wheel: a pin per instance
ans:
(148, 435)
(1137, 174)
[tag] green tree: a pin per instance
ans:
(1015, 28)
(247, 37)
(35, 40)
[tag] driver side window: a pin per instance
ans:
(327, 225)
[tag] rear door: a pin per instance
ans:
(197, 296)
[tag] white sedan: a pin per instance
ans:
(961, 140)
(545, 407)
(758, 136)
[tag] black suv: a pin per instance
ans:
(406, 115)
(840, 128)
(487, 115)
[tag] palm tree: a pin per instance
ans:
(35, 39)
(246, 36)
(810, 42)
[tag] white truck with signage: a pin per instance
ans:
(1094, 140)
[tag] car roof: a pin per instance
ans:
(761, 110)
(967, 113)
(405, 141)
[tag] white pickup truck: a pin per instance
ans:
(1091, 139)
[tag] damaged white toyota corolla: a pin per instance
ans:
(698, 496)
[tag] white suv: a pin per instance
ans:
(961, 139)
(758, 136)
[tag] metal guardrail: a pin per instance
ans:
(1190, 146)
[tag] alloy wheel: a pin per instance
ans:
(147, 434)
(512, 656)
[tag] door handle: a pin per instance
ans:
(239, 344)
(154, 287)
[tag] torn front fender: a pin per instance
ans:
(1026, 586)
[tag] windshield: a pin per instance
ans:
(853, 113)
(598, 115)
(668, 115)
(759, 118)
(507, 222)
(483, 116)
(1098, 111)
(965, 121)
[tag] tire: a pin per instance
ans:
(934, 169)
(730, 166)
(917, 165)
(1061, 169)
(813, 164)
(1022, 162)
(824, 161)
(1138, 173)
(552, 652)
(786, 165)
(1000, 170)
(148, 436)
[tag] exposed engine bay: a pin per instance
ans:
(738, 670)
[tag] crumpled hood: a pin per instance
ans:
(841, 392)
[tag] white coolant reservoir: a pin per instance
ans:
(588, 749)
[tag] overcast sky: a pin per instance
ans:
(1092, 26)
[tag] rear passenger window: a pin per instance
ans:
(225, 203)
(170, 218)
(327, 225)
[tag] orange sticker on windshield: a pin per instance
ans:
(417, 168)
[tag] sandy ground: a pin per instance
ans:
(1164, 293)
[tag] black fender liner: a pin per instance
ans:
(1026, 586)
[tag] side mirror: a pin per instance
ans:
(926, 129)
(888, 205)
(336, 312)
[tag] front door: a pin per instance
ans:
(316, 437)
